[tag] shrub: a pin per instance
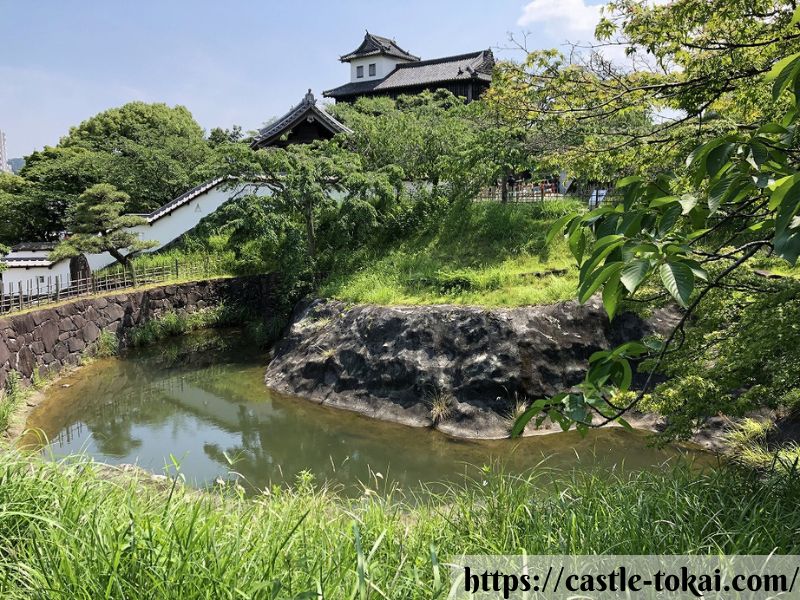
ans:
(107, 345)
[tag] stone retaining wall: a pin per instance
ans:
(50, 339)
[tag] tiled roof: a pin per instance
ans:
(183, 199)
(307, 107)
(374, 45)
(352, 89)
(29, 261)
(474, 65)
(33, 246)
(30, 254)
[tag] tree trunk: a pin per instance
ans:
(120, 258)
(125, 261)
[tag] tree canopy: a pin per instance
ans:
(152, 152)
(691, 69)
(98, 225)
(683, 238)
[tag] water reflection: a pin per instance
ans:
(201, 399)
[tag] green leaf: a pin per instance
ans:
(698, 158)
(727, 188)
(577, 243)
(783, 72)
(624, 383)
(602, 249)
(667, 220)
(697, 269)
(612, 294)
(626, 181)
(534, 409)
(718, 157)
(780, 66)
(795, 17)
(557, 227)
(780, 189)
(787, 233)
(688, 202)
(597, 278)
(634, 273)
(624, 423)
(678, 278)
(759, 153)
(633, 348)
(663, 201)
(759, 225)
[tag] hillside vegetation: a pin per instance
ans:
(485, 254)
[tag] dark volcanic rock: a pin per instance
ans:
(387, 362)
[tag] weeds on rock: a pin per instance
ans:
(440, 404)
(107, 345)
(13, 394)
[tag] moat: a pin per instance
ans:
(200, 401)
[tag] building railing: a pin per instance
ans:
(36, 292)
(522, 192)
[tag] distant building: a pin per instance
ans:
(304, 123)
(16, 164)
(4, 166)
(28, 265)
(379, 67)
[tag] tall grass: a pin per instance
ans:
(66, 531)
(748, 443)
(171, 324)
(261, 331)
(11, 395)
(486, 254)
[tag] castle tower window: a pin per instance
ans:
(466, 75)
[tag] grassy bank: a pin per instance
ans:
(486, 254)
(67, 532)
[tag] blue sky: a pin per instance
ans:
(229, 61)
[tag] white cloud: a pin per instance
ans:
(574, 17)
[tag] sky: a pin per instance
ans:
(230, 61)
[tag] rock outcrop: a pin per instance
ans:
(394, 363)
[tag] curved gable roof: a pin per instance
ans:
(473, 65)
(374, 45)
(307, 108)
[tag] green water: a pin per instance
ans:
(201, 401)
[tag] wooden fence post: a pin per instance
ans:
(58, 288)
